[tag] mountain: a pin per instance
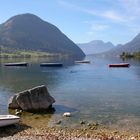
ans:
(95, 46)
(29, 32)
(130, 47)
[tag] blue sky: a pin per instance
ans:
(117, 21)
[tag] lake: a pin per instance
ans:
(91, 92)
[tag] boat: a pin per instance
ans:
(119, 65)
(17, 64)
(51, 65)
(6, 120)
(83, 61)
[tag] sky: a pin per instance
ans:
(82, 21)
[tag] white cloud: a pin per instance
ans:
(99, 27)
(123, 11)
(94, 28)
(114, 16)
(131, 8)
(77, 8)
(107, 14)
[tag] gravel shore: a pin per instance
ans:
(23, 132)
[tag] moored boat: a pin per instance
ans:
(83, 61)
(6, 120)
(16, 64)
(51, 65)
(119, 65)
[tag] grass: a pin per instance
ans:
(26, 54)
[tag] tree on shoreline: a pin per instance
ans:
(130, 55)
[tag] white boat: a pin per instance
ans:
(83, 61)
(8, 120)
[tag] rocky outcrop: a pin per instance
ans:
(34, 99)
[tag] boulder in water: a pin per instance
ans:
(34, 99)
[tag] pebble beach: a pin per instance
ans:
(23, 132)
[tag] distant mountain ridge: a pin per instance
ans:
(95, 46)
(29, 32)
(130, 47)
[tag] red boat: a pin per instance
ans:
(119, 65)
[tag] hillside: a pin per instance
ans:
(29, 32)
(95, 46)
(130, 47)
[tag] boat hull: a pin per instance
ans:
(16, 64)
(119, 65)
(83, 61)
(51, 65)
(6, 120)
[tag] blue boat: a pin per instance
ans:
(51, 65)
(17, 64)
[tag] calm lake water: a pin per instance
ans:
(91, 92)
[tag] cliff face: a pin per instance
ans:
(29, 32)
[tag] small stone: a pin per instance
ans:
(88, 135)
(59, 122)
(115, 132)
(67, 114)
(89, 124)
(132, 138)
(18, 112)
(95, 124)
(82, 122)
(111, 138)
(36, 117)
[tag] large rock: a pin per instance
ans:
(34, 99)
(13, 102)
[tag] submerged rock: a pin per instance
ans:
(34, 99)
(82, 122)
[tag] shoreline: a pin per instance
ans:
(22, 132)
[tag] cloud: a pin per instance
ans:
(115, 15)
(131, 8)
(76, 7)
(112, 15)
(99, 27)
(96, 27)
(116, 11)
(107, 14)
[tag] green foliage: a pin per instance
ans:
(16, 53)
(136, 54)
(130, 55)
